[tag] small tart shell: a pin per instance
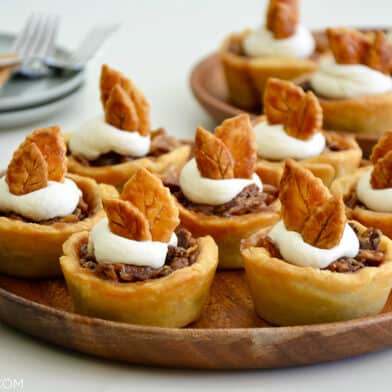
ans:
(228, 231)
(32, 250)
(371, 114)
(285, 294)
(172, 301)
(118, 175)
(344, 186)
(246, 76)
(328, 166)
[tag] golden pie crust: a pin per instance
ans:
(171, 301)
(118, 175)
(381, 220)
(328, 166)
(285, 294)
(31, 250)
(246, 77)
(228, 231)
(371, 114)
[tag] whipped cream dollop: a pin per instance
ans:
(210, 191)
(374, 199)
(111, 248)
(56, 200)
(275, 144)
(296, 251)
(96, 137)
(335, 80)
(261, 42)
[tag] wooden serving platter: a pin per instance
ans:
(209, 87)
(228, 335)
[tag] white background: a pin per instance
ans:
(159, 42)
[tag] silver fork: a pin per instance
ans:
(85, 51)
(37, 40)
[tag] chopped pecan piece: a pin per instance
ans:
(380, 54)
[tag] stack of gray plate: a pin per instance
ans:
(24, 101)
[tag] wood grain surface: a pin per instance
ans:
(229, 335)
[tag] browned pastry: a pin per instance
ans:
(120, 111)
(174, 299)
(380, 178)
(367, 114)
(109, 79)
(282, 17)
(300, 113)
(51, 143)
(28, 170)
(238, 136)
(126, 220)
(300, 193)
(325, 225)
(308, 208)
(29, 248)
(147, 193)
(212, 156)
(126, 108)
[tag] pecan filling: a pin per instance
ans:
(249, 200)
(161, 143)
(369, 255)
(81, 212)
(180, 256)
(351, 200)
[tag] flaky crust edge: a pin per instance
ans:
(246, 77)
(285, 294)
(327, 166)
(172, 301)
(31, 250)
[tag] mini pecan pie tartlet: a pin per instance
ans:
(313, 266)
(133, 268)
(41, 206)
(282, 48)
(112, 147)
(292, 128)
(354, 84)
(367, 192)
(219, 193)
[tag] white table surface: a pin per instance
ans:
(157, 45)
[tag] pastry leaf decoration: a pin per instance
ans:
(28, 170)
(126, 220)
(325, 226)
(147, 193)
(212, 156)
(300, 113)
(120, 110)
(52, 146)
(109, 79)
(282, 18)
(350, 46)
(383, 146)
(238, 136)
(381, 177)
(300, 193)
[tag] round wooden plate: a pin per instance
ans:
(229, 335)
(209, 87)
